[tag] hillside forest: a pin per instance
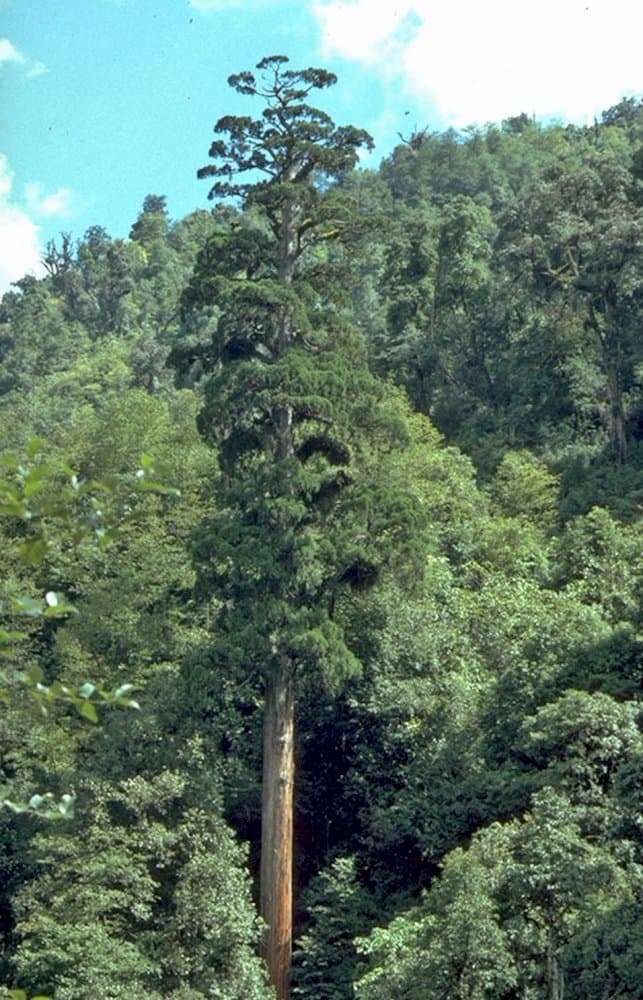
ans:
(320, 613)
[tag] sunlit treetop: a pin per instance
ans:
(292, 142)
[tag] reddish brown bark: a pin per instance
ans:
(277, 825)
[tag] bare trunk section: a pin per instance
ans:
(288, 235)
(555, 974)
(277, 825)
(617, 414)
(606, 329)
(276, 872)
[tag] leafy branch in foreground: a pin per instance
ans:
(51, 507)
(22, 995)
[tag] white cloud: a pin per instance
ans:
(36, 69)
(39, 203)
(479, 62)
(359, 30)
(9, 53)
(20, 250)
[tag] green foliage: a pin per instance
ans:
(460, 596)
(289, 400)
(291, 142)
(503, 916)
(339, 908)
(511, 297)
(455, 947)
(52, 505)
(525, 488)
(582, 740)
(149, 901)
(598, 560)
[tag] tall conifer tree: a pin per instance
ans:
(288, 388)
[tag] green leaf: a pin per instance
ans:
(101, 486)
(123, 690)
(12, 506)
(35, 479)
(32, 487)
(107, 535)
(16, 807)
(33, 551)
(59, 610)
(34, 446)
(35, 674)
(87, 709)
(81, 486)
(66, 804)
(9, 637)
(129, 703)
(26, 606)
(87, 690)
(149, 486)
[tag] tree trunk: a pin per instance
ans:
(617, 414)
(606, 329)
(555, 974)
(276, 873)
(277, 824)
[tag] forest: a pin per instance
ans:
(321, 614)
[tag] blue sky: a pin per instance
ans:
(106, 101)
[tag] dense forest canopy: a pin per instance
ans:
(367, 444)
